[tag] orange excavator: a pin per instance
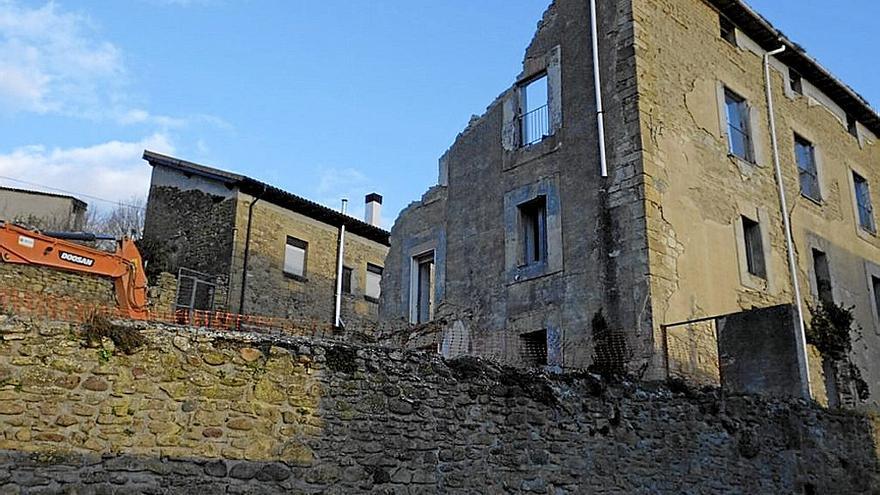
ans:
(56, 250)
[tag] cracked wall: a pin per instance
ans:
(696, 193)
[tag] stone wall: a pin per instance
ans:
(211, 412)
(271, 292)
(79, 288)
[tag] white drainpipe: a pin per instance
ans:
(801, 336)
(597, 83)
(337, 321)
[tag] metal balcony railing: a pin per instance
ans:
(534, 126)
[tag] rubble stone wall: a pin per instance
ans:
(200, 412)
(82, 288)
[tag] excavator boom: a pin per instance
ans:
(125, 266)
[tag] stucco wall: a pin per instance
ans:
(697, 193)
(226, 412)
(45, 212)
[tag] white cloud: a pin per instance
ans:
(52, 61)
(113, 170)
(350, 183)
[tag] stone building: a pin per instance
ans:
(526, 250)
(41, 209)
(225, 228)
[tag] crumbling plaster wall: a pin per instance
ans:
(208, 412)
(696, 192)
(602, 253)
(269, 292)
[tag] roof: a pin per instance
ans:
(273, 195)
(77, 202)
(769, 38)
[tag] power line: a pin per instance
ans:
(34, 184)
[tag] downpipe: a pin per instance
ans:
(340, 252)
(597, 84)
(801, 336)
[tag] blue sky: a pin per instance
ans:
(325, 99)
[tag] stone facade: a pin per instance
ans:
(661, 240)
(470, 219)
(201, 412)
(214, 222)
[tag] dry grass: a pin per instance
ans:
(98, 326)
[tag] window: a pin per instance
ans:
(823, 276)
(533, 225)
(738, 130)
(875, 285)
(423, 310)
(295, 257)
(805, 153)
(374, 280)
(795, 81)
(863, 203)
(728, 31)
(754, 248)
(346, 280)
(852, 126)
(535, 111)
(533, 348)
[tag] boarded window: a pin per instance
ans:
(823, 276)
(346, 280)
(533, 225)
(754, 248)
(863, 203)
(806, 162)
(295, 257)
(424, 288)
(533, 348)
(739, 135)
(373, 287)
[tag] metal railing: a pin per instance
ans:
(534, 126)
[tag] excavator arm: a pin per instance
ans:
(125, 266)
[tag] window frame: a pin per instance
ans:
(822, 276)
(533, 231)
(420, 289)
(347, 280)
(727, 30)
(376, 270)
(795, 81)
(756, 262)
(539, 339)
(864, 212)
(294, 242)
(732, 99)
(800, 143)
(852, 126)
(542, 113)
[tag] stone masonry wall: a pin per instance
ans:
(270, 292)
(199, 412)
(75, 287)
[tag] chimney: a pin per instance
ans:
(373, 210)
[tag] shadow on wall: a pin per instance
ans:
(192, 409)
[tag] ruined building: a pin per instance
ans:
(243, 246)
(524, 249)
